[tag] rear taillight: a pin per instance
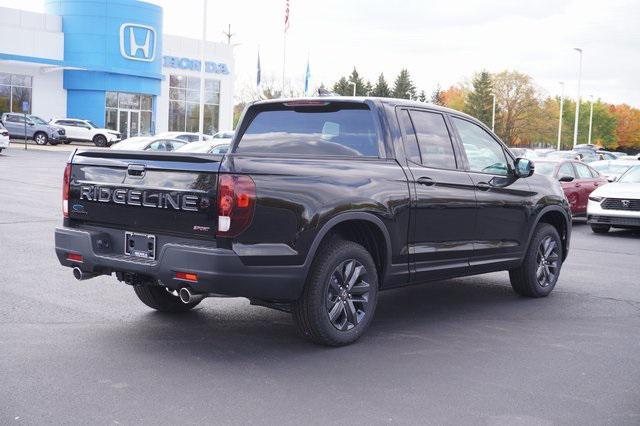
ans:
(66, 186)
(236, 204)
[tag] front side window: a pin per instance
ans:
(583, 171)
(566, 169)
(485, 154)
(336, 129)
(434, 141)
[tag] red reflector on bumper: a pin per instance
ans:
(74, 257)
(186, 276)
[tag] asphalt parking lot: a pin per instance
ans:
(464, 351)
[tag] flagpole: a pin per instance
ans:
(284, 62)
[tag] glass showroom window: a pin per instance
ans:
(184, 104)
(129, 113)
(14, 91)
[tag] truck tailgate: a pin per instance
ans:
(146, 192)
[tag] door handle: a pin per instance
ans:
(578, 185)
(483, 186)
(426, 181)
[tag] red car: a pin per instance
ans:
(578, 180)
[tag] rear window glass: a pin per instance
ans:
(336, 129)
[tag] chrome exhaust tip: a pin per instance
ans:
(79, 275)
(186, 296)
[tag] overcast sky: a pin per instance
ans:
(440, 42)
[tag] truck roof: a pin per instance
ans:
(365, 99)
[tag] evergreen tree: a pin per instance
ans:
(360, 84)
(404, 87)
(342, 87)
(381, 89)
(480, 102)
(368, 88)
(422, 97)
(437, 97)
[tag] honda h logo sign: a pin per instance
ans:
(138, 42)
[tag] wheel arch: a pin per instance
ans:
(557, 217)
(362, 227)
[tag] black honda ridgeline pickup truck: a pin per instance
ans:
(319, 204)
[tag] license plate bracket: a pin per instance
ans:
(140, 245)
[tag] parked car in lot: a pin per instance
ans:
(613, 169)
(207, 147)
(149, 143)
(4, 138)
(525, 153)
(617, 204)
(37, 129)
(567, 155)
(319, 204)
(543, 152)
(228, 134)
(183, 136)
(578, 180)
(86, 131)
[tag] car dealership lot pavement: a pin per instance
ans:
(461, 351)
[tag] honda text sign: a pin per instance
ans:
(138, 42)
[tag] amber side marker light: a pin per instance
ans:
(186, 276)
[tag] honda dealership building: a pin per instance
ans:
(108, 61)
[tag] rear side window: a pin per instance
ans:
(337, 129)
(434, 141)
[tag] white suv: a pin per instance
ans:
(86, 131)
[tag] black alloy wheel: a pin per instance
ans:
(347, 295)
(548, 260)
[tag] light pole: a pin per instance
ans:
(353, 83)
(202, 69)
(590, 120)
(493, 113)
(560, 118)
(575, 125)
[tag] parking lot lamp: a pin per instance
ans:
(560, 117)
(353, 83)
(575, 124)
(590, 119)
(202, 70)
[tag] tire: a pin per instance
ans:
(332, 310)
(600, 229)
(158, 298)
(67, 141)
(40, 138)
(540, 269)
(100, 140)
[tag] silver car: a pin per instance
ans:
(36, 129)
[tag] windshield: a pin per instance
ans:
(631, 176)
(135, 143)
(546, 169)
(92, 124)
(37, 120)
(612, 168)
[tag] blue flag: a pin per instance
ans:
(258, 72)
(307, 77)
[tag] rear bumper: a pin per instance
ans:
(219, 271)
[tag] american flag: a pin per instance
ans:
(286, 16)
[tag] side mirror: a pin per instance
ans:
(612, 178)
(566, 178)
(524, 167)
